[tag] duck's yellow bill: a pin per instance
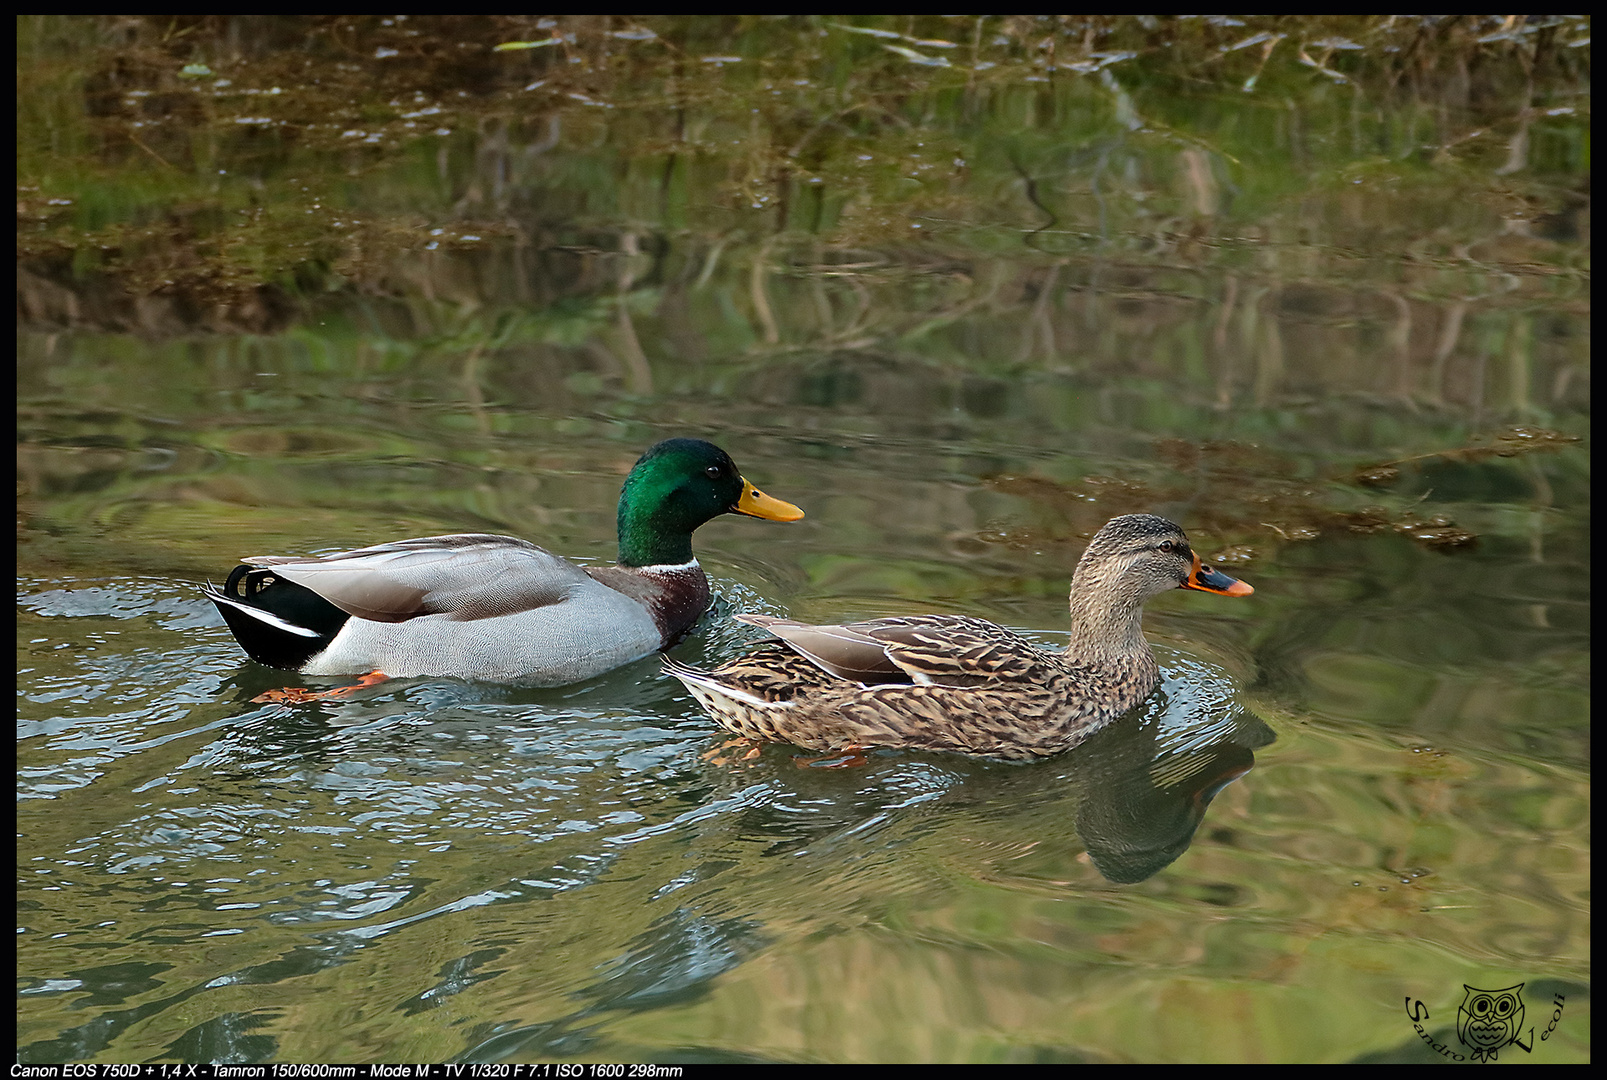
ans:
(756, 503)
(1205, 579)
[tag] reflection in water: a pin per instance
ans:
(1137, 791)
(1148, 784)
(674, 959)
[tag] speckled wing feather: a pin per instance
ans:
(843, 652)
(945, 650)
(775, 673)
(465, 576)
(1010, 719)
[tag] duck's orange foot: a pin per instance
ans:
(299, 695)
(717, 756)
(849, 757)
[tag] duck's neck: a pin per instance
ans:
(1107, 627)
(643, 542)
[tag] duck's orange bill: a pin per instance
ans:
(756, 503)
(1205, 579)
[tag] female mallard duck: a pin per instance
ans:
(495, 607)
(948, 682)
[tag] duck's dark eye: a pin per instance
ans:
(1168, 545)
(712, 472)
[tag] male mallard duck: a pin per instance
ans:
(949, 682)
(498, 608)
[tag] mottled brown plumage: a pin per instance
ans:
(949, 682)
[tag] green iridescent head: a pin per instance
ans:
(676, 486)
